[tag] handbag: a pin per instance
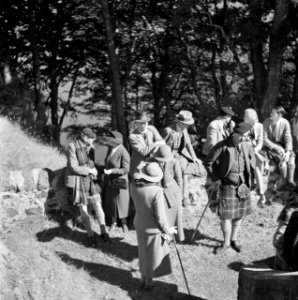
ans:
(119, 183)
(243, 191)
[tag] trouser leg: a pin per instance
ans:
(86, 220)
(236, 224)
(259, 178)
(291, 172)
(185, 190)
(99, 213)
(226, 227)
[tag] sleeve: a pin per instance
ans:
(260, 138)
(124, 166)
(267, 142)
(210, 162)
(288, 137)
(188, 145)
(178, 174)
(156, 136)
(166, 134)
(212, 135)
(74, 164)
(160, 211)
(139, 147)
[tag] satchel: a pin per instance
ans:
(119, 183)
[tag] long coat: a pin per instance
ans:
(142, 146)
(150, 222)
(116, 201)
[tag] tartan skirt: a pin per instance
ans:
(230, 205)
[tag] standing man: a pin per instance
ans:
(219, 129)
(144, 140)
(177, 137)
(80, 182)
(231, 164)
(278, 144)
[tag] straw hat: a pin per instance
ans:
(113, 138)
(150, 172)
(185, 117)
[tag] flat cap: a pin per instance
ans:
(89, 132)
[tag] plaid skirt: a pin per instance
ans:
(230, 205)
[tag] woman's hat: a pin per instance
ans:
(150, 172)
(142, 117)
(163, 153)
(113, 138)
(242, 128)
(185, 117)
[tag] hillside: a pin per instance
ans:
(39, 260)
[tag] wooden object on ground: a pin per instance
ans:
(267, 284)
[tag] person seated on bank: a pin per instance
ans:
(151, 224)
(82, 185)
(219, 129)
(172, 185)
(144, 139)
(177, 137)
(231, 164)
(256, 140)
(278, 145)
(115, 188)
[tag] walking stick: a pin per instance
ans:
(186, 283)
(195, 232)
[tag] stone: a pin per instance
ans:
(33, 211)
(44, 179)
(35, 174)
(16, 179)
(11, 212)
(29, 182)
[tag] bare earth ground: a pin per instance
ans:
(57, 264)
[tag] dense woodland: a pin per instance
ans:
(123, 56)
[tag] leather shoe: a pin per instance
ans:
(235, 246)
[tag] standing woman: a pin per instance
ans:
(172, 184)
(116, 194)
(256, 138)
(151, 224)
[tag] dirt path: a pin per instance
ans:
(58, 264)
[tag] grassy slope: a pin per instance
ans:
(51, 264)
(58, 265)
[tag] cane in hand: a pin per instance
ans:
(186, 283)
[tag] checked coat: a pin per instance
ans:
(225, 163)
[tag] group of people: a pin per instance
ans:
(155, 177)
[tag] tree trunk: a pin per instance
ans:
(276, 47)
(115, 73)
(295, 87)
(256, 46)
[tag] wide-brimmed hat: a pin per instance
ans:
(113, 138)
(227, 110)
(163, 153)
(89, 132)
(242, 128)
(185, 117)
(142, 117)
(150, 172)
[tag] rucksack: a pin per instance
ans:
(290, 250)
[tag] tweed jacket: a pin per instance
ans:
(219, 160)
(179, 142)
(142, 147)
(150, 209)
(118, 163)
(216, 132)
(73, 168)
(281, 137)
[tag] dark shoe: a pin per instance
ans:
(92, 241)
(261, 203)
(124, 228)
(148, 287)
(105, 237)
(235, 246)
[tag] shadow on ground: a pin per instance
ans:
(116, 248)
(263, 263)
(201, 239)
(125, 280)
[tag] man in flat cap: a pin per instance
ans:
(219, 129)
(83, 189)
(177, 137)
(231, 164)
